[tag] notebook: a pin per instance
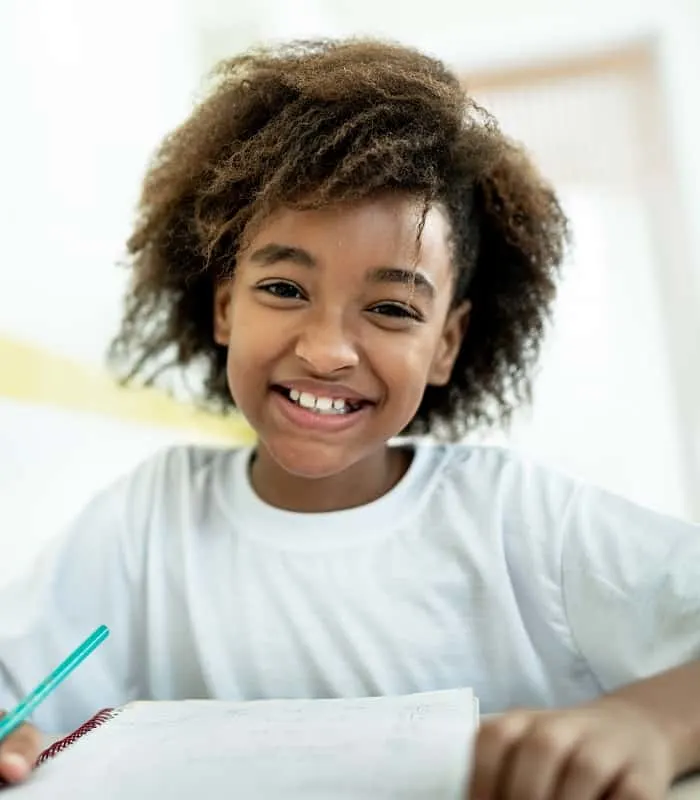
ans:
(412, 747)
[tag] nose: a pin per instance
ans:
(326, 346)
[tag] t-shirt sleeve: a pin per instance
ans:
(89, 576)
(631, 585)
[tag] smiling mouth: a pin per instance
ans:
(324, 406)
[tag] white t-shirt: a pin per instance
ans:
(478, 569)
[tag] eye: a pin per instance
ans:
(285, 290)
(397, 311)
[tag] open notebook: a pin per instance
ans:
(412, 747)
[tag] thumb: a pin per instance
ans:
(18, 753)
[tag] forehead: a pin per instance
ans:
(380, 231)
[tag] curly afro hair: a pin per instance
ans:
(312, 123)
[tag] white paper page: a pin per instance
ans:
(412, 747)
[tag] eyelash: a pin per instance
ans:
(275, 285)
(398, 310)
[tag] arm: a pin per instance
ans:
(672, 701)
(88, 576)
(631, 593)
(627, 745)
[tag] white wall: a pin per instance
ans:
(88, 90)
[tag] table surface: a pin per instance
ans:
(689, 789)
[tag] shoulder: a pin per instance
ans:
(179, 465)
(162, 492)
(151, 508)
(500, 508)
(186, 472)
(535, 497)
(494, 462)
(497, 476)
(182, 462)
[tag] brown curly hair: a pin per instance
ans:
(312, 123)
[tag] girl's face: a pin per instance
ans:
(334, 325)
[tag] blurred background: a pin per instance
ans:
(605, 96)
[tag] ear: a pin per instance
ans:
(222, 311)
(448, 347)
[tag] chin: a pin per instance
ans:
(311, 460)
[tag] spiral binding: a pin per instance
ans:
(62, 744)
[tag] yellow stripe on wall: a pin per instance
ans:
(33, 375)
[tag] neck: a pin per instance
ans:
(358, 485)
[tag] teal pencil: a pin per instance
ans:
(19, 715)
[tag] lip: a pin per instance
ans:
(312, 421)
(334, 391)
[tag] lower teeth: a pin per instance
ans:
(329, 411)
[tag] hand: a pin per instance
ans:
(608, 749)
(18, 753)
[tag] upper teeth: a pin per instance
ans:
(308, 400)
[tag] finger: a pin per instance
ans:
(540, 759)
(18, 753)
(633, 785)
(592, 771)
(494, 743)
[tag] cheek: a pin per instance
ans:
(406, 364)
(253, 344)
(253, 332)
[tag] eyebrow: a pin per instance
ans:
(412, 277)
(272, 254)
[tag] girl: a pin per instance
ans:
(355, 255)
